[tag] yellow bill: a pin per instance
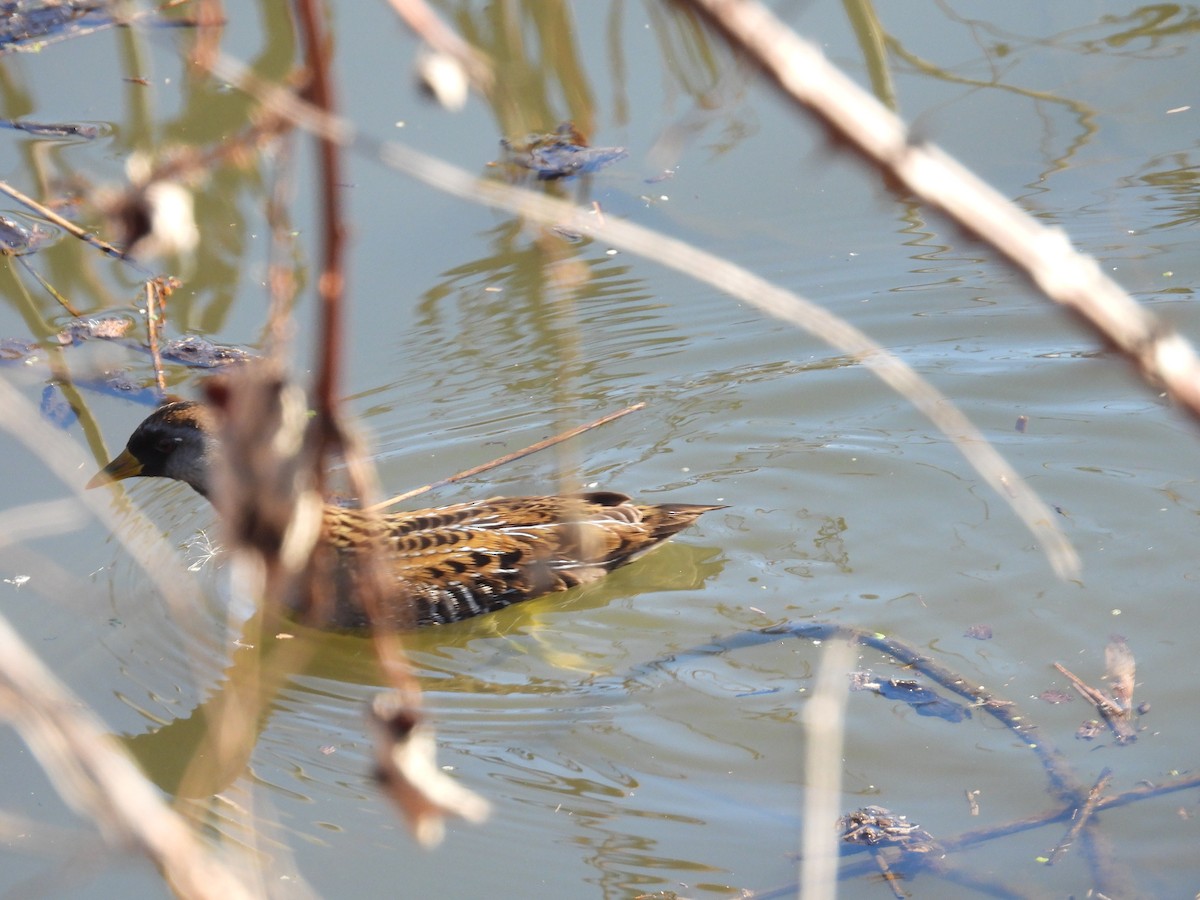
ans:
(126, 465)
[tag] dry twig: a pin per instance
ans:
(65, 224)
(1112, 713)
(1082, 816)
(93, 775)
(510, 457)
(155, 318)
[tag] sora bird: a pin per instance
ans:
(448, 563)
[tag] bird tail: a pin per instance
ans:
(669, 518)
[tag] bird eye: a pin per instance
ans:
(166, 446)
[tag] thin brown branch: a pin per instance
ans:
(326, 434)
(155, 317)
(1082, 816)
(49, 288)
(331, 283)
(65, 224)
(1043, 254)
(510, 457)
(404, 741)
(1113, 714)
(885, 870)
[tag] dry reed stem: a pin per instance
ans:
(824, 718)
(155, 317)
(65, 224)
(331, 281)
(96, 778)
(46, 285)
(421, 791)
(510, 457)
(1043, 254)
(708, 268)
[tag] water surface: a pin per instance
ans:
(608, 778)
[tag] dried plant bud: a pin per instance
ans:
(263, 482)
(406, 753)
(442, 77)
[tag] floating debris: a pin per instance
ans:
(24, 23)
(979, 632)
(874, 825)
(12, 349)
(923, 700)
(56, 407)
(1115, 710)
(202, 353)
(18, 240)
(124, 383)
(107, 328)
(562, 154)
(87, 131)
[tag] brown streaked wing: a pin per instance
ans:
(459, 561)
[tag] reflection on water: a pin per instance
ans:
(617, 763)
(293, 673)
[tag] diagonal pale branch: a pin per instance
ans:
(698, 264)
(1042, 253)
(824, 719)
(95, 777)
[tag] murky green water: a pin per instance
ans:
(608, 778)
